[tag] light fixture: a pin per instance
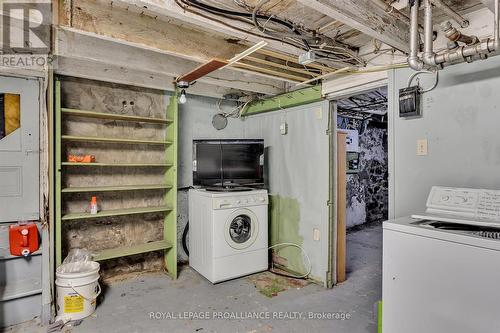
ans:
(182, 85)
(182, 97)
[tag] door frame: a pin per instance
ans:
(383, 81)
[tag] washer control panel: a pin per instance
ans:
(465, 202)
(240, 201)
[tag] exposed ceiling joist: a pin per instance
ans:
(367, 17)
(168, 9)
(80, 45)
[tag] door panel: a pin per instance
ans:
(19, 149)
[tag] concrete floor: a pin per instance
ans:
(127, 305)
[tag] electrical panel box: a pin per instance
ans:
(409, 102)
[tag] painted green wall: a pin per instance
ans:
(284, 220)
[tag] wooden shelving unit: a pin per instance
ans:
(115, 188)
(168, 185)
(132, 165)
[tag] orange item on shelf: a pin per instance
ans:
(81, 158)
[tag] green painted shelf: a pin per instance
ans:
(112, 140)
(110, 116)
(117, 164)
(115, 188)
(165, 128)
(131, 250)
(116, 212)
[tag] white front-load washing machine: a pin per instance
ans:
(228, 233)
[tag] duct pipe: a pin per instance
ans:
(428, 55)
(413, 60)
(471, 52)
(464, 23)
(456, 36)
(467, 53)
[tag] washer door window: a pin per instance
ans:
(241, 229)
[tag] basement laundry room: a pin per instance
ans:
(249, 166)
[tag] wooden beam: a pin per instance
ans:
(165, 10)
(271, 72)
(202, 70)
(283, 101)
(91, 48)
(367, 17)
(88, 69)
(275, 64)
(294, 60)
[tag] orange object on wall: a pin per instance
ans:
(23, 239)
(81, 158)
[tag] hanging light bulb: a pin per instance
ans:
(182, 97)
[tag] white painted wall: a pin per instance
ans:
(460, 120)
(297, 163)
(297, 167)
(195, 122)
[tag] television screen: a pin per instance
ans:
(228, 162)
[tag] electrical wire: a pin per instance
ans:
(303, 276)
(414, 75)
(186, 6)
(305, 39)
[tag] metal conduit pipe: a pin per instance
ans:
(464, 23)
(454, 35)
(428, 56)
(429, 59)
(471, 52)
(413, 59)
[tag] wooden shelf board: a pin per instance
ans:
(102, 115)
(117, 164)
(131, 250)
(112, 140)
(115, 188)
(116, 212)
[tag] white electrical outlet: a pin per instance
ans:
(316, 234)
(422, 147)
(319, 113)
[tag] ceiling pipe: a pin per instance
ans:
(429, 59)
(454, 35)
(428, 56)
(464, 23)
(414, 60)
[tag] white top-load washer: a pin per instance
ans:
(228, 233)
(441, 269)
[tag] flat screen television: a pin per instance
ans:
(228, 163)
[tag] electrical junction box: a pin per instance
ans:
(409, 102)
(307, 58)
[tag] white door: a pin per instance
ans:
(19, 149)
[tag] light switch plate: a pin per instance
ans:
(284, 128)
(421, 147)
